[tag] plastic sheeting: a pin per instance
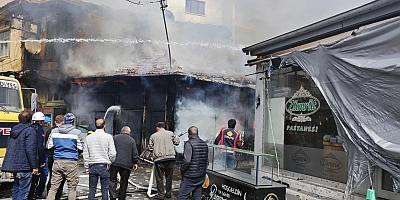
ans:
(359, 77)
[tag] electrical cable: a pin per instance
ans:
(136, 3)
(139, 3)
(272, 130)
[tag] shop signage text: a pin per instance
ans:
(5, 131)
(300, 157)
(9, 84)
(331, 162)
(310, 129)
(226, 192)
(301, 105)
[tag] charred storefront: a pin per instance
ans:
(181, 101)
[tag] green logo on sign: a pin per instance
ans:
(331, 162)
(300, 157)
(296, 106)
(277, 153)
(301, 105)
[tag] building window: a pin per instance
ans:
(51, 33)
(4, 47)
(53, 96)
(195, 7)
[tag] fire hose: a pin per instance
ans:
(180, 135)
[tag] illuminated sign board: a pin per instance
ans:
(301, 105)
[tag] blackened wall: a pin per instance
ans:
(147, 100)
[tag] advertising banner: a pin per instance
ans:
(222, 187)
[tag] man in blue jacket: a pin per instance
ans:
(68, 144)
(58, 121)
(21, 156)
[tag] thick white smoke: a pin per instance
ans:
(207, 118)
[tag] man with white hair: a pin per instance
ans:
(126, 159)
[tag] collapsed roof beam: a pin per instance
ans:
(350, 20)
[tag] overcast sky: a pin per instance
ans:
(271, 18)
(289, 14)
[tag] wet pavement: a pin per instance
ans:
(137, 189)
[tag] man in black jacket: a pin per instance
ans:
(21, 157)
(127, 158)
(194, 166)
(37, 124)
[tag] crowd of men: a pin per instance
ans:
(33, 154)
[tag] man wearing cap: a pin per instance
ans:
(162, 145)
(68, 144)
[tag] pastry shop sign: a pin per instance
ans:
(301, 105)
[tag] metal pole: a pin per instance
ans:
(258, 159)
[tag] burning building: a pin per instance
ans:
(178, 99)
(85, 58)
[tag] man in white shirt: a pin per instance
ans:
(99, 152)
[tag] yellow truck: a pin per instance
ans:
(11, 104)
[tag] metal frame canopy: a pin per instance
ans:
(373, 12)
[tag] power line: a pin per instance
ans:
(139, 3)
(136, 3)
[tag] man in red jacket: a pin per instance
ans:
(229, 137)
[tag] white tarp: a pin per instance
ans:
(359, 77)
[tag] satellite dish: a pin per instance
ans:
(33, 47)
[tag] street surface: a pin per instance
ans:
(137, 189)
(139, 180)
